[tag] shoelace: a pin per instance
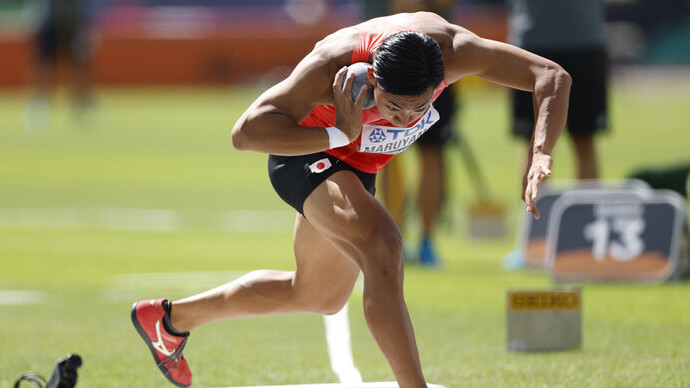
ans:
(173, 360)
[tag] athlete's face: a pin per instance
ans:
(401, 110)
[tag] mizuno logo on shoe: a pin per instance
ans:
(159, 345)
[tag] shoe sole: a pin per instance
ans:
(147, 340)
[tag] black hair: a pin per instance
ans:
(408, 63)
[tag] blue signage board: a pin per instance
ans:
(615, 235)
(533, 237)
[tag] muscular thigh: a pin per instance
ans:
(350, 218)
(322, 271)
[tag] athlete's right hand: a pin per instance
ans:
(348, 114)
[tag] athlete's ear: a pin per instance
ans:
(370, 75)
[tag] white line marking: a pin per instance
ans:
(20, 297)
(340, 347)
(257, 220)
(145, 220)
(149, 220)
(384, 384)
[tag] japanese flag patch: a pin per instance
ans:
(320, 165)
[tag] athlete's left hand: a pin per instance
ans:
(538, 170)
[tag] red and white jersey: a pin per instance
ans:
(380, 140)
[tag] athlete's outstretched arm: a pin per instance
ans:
(514, 67)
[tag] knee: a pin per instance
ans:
(383, 255)
(332, 306)
(322, 303)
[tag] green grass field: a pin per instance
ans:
(77, 238)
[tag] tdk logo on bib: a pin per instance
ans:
(393, 140)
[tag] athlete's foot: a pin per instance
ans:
(427, 254)
(166, 345)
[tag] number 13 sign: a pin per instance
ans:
(615, 235)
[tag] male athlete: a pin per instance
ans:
(324, 154)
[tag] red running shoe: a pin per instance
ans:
(147, 317)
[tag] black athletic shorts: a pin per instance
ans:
(443, 131)
(587, 112)
(295, 177)
(57, 39)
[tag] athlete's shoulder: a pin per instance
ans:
(311, 80)
(339, 44)
(330, 54)
(444, 32)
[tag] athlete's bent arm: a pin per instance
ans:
(514, 67)
(271, 123)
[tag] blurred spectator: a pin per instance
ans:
(61, 39)
(432, 175)
(571, 33)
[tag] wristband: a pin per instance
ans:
(336, 137)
